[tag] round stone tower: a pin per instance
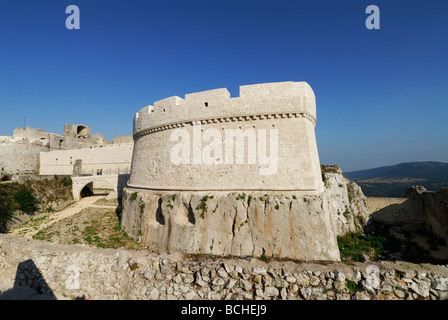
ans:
(230, 176)
(263, 140)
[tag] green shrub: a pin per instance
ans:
(249, 198)
(241, 197)
(25, 199)
(264, 257)
(352, 285)
(66, 181)
(203, 205)
(352, 244)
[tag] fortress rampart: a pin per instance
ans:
(288, 108)
(36, 151)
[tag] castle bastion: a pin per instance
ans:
(286, 109)
(231, 176)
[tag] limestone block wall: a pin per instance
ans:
(110, 159)
(286, 108)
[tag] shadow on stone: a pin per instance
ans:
(29, 284)
(415, 227)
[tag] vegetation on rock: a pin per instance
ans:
(32, 196)
(355, 244)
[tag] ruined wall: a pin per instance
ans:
(78, 136)
(427, 208)
(395, 210)
(52, 140)
(287, 108)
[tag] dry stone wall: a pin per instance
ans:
(38, 270)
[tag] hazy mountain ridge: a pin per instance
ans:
(392, 181)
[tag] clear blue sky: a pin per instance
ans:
(382, 95)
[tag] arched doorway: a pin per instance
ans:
(87, 190)
(96, 187)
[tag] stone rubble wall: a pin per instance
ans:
(39, 270)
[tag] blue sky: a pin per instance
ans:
(381, 95)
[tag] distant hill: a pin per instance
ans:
(392, 181)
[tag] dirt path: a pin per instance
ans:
(28, 231)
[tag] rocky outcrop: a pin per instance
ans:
(248, 224)
(435, 209)
(347, 203)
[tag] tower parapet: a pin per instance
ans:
(261, 100)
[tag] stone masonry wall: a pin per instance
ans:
(111, 159)
(38, 270)
(20, 158)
